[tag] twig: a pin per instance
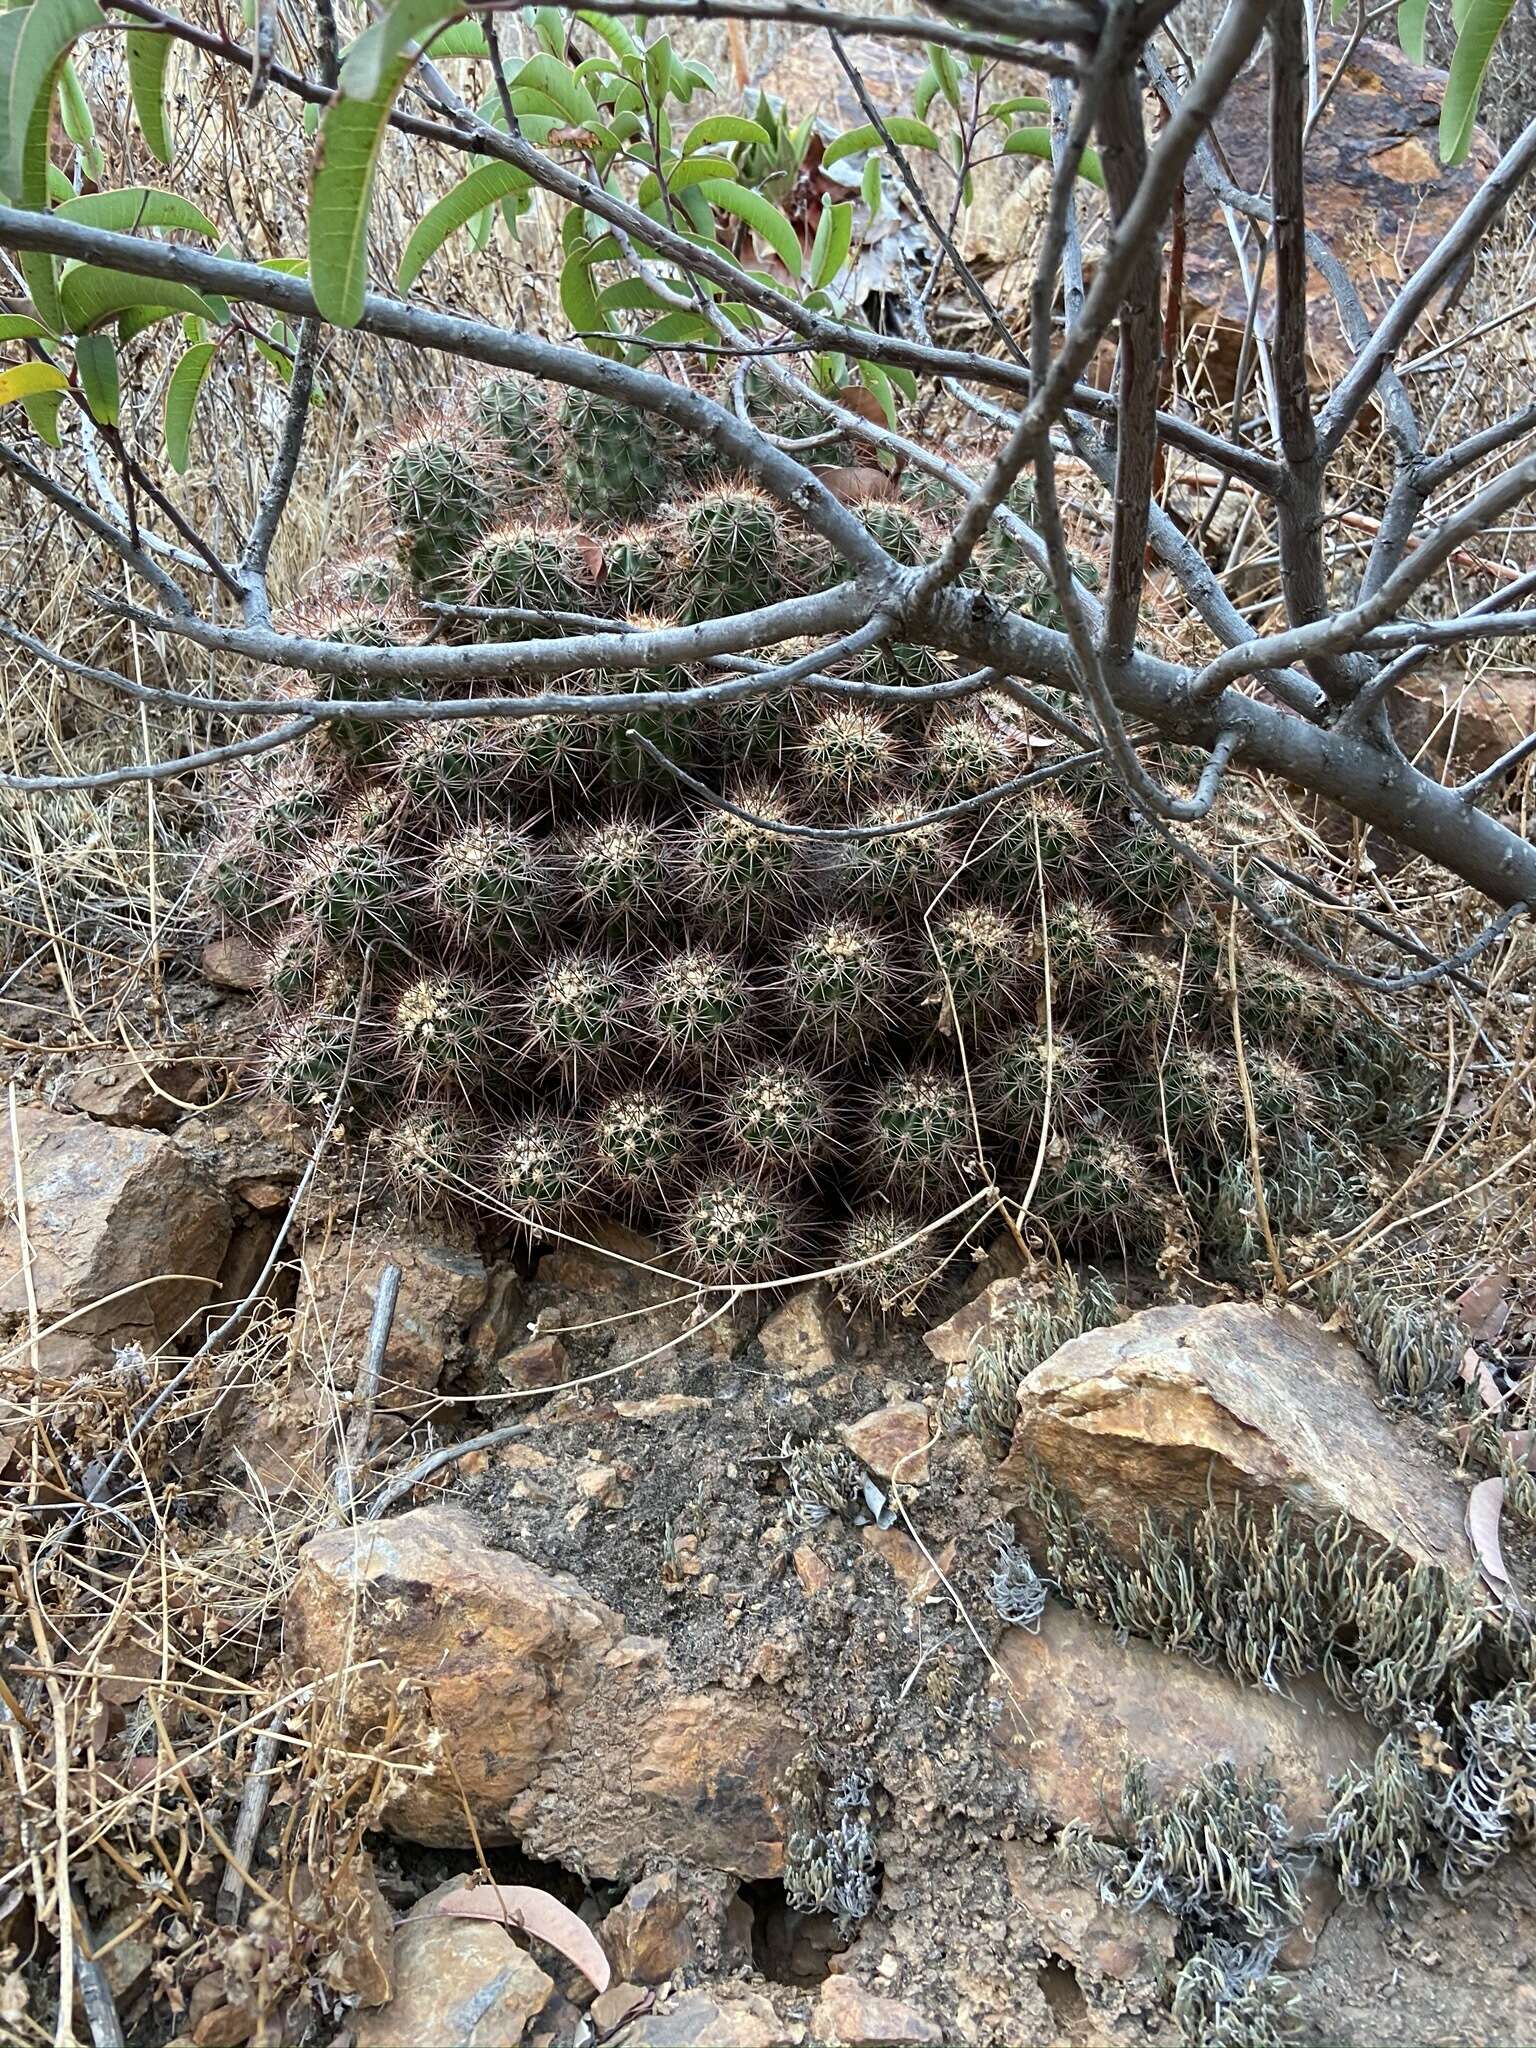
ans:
(95, 1992)
(253, 1808)
(366, 1392)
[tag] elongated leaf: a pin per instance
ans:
(874, 380)
(26, 380)
(681, 177)
(723, 128)
(765, 221)
(672, 330)
(900, 127)
(91, 296)
(78, 121)
(181, 396)
(96, 361)
(469, 197)
(20, 327)
(580, 303)
(1021, 103)
(48, 31)
(535, 1912)
(463, 39)
(137, 206)
(148, 56)
(1037, 142)
(560, 85)
(341, 189)
(613, 33)
(871, 190)
(834, 238)
(1411, 16)
(1481, 24)
(42, 410)
(379, 48)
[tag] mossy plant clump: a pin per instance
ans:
(850, 1017)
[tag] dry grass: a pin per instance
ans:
(140, 1667)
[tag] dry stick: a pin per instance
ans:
(253, 1809)
(366, 1393)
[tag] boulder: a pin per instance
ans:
(123, 1234)
(851, 2017)
(1179, 1407)
(458, 1984)
(442, 1285)
(1075, 1705)
(564, 1733)
(698, 2019)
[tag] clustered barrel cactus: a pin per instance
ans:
(555, 982)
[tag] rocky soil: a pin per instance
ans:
(708, 1642)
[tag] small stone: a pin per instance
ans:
(611, 2008)
(600, 1485)
(647, 1935)
(541, 1362)
(893, 1442)
(1074, 1704)
(812, 1570)
(458, 1984)
(147, 1094)
(662, 1407)
(1177, 1408)
(855, 2018)
(805, 1336)
(224, 2026)
(895, 1548)
(698, 2020)
(954, 1342)
(234, 962)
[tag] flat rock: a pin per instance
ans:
(565, 1733)
(893, 1441)
(1178, 1407)
(1075, 1705)
(458, 1984)
(123, 1234)
(700, 2020)
(851, 2016)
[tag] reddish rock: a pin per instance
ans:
(147, 1093)
(895, 1548)
(893, 1442)
(677, 1920)
(458, 1984)
(442, 1284)
(852, 2017)
(541, 1362)
(698, 2019)
(1176, 1408)
(123, 1234)
(1074, 1704)
(805, 1336)
(234, 962)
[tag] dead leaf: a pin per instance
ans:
(1474, 1371)
(858, 484)
(1483, 1306)
(593, 554)
(1485, 1506)
(537, 1913)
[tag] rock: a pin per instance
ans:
(677, 1920)
(812, 1570)
(442, 1285)
(255, 1151)
(852, 2017)
(108, 1210)
(700, 2020)
(611, 2008)
(234, 962)
(893, 1442)
(458, 1984)
(805, 1336)
(541, 1362)
(1177, 1407)
(1075, 1705)
(895, 1548)
(147, 1094)
(1097, 1939)
(565, 1733)
(955, 1342)
(1465, 722)
(617, 1280)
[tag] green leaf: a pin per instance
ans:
(90, 296)
(96, 361)
(658, 69)
(631, 295)
(580, 302)
(1021, 103)
(378, 49)
(43, 411)
(461, 39)
(148, 56)
(871, 189)
(549, 27)
(723, 128)
(181, 396)
(947, 72)
(1410, 29)
(680, 177)
(137, 206)
(561, 87)
(470, 196)
(274, 358)
(1481, 24)
(874, 379)
(926, 93)
(31, 59)
(834, 238)
(613, 33)
(78, 121)
(765, 221)
(674, 328)
(341, 188)
(20, 327)
(1037, 142)
(900, 127)
(26, 380)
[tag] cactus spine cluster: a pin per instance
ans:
(557, 981)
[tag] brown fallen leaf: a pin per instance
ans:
(858, 484)
(535, 1912)
(1483, 1306)
(1485, 1506)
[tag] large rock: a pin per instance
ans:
(564, 1732)
(458, 1984)
(1075, 1705)
(698, 2019)
(1178, 1407)
(852, 2017)
(124, 1235)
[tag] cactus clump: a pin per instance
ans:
(572, 959)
